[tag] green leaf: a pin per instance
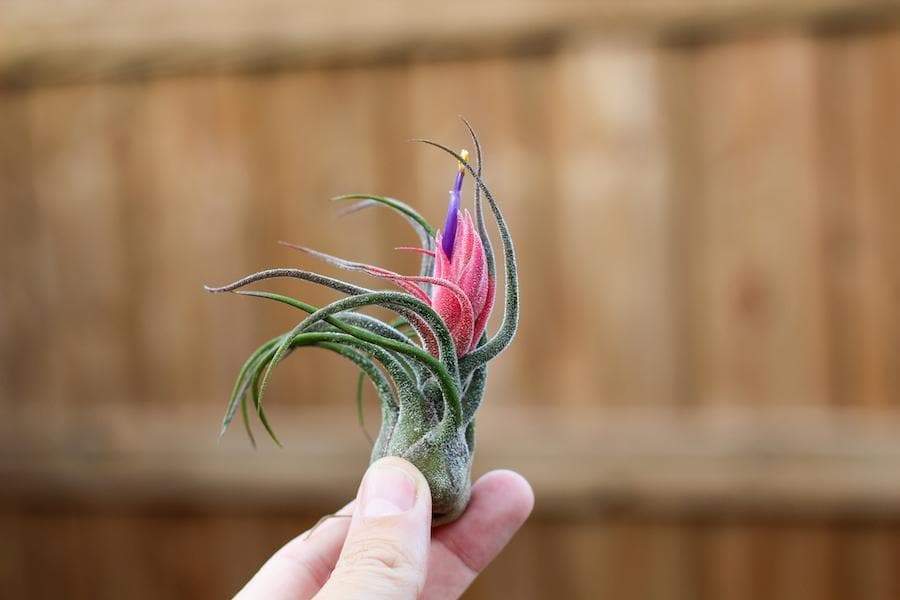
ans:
(336, 284)
(423, 229)
(367, 366)
(257, 402)
(445, 370)
(337, 342)
(331, 282)
(398, 205)
(243, 380)
(340, 324)
(360, 417)
(479, 208)
(246, 419)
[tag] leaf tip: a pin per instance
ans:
(295, 246)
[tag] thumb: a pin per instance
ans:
(386, 550)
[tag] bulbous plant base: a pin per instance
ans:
(453, 511)
(446, 462)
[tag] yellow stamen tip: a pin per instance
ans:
(465, 156)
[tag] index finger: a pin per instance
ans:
(501, 502)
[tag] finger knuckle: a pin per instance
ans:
(381, 557)
(381, 552)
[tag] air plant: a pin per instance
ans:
(428, 367)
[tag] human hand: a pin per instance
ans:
(387, 550)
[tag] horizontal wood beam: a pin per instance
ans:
(582, 461)
(46, 42)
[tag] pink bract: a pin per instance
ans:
(467, 269)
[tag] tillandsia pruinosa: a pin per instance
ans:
(429, 366)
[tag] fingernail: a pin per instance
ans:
(387, 491)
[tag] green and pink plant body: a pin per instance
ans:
(429, 366)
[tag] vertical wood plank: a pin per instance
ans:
(308, 138)
(858, 132)
(581, 559)
(675, 566)
(757, 305)
(874, 95)
(23, 305)
(13, 567)
(729, 562)
(804, 562)
(84, 276)
(505, 576)
(190, 226)
(612, 178)
(867, 563)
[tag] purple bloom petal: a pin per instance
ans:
(448, 238)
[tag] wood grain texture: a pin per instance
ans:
(874, 91)
(858, 134)
(614, 202)
(705, 388)
(757, 290)
(789, 463)
(92, 40)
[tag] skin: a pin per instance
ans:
(387, 549)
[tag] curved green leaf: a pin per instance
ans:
(398, 205)
(445, 369)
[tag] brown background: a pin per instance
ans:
(706, 385)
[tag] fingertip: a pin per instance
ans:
(501, 502)
(513, 491)
(403, 465)
(391, 486)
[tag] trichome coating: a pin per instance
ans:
(429, 366)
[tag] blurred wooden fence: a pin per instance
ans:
(706, 200)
